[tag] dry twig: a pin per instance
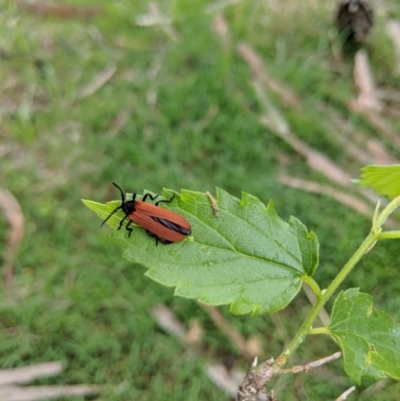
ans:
(393, 30)
(227, 380)
(344, 396)
(311, 365)
(167, 320)
(154, 17)
(26, 374)
(378, 122)
(367, 94)
(10, 378)
(120, 120)
(220, 4)
(374, 389)
(223, 379)
(39, 393)
(342, 197)
(261, 76)
(316, 160)
(97, 82)
(367, 103)
(15, 219)
(253, 385)
(227, 329)
(362, 148)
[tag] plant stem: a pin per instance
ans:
(306, 326)
(386, 211)
(374, 235)
(359, 253)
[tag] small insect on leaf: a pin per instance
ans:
(214, 204)
(164, 225)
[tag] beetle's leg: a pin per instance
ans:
(120, 223)
(165, 200)
(150, 234)
(129, 228)
(149, 196)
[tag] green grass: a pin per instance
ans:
(74, 298)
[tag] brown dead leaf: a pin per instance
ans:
(355, 18)
(195, 333)
(254, 347)
(45, 9)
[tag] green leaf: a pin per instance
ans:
(247, 257)
(370, 341)
(384, 180)
(309, 248)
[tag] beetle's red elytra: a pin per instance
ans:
(162, 224)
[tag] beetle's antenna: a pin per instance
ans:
(113, 212)
(119, 207)
(122, 193)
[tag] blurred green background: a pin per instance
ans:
(176, 109)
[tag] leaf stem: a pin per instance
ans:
(319, 330)
(313, 285)
(389, 235)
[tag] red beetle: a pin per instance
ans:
(164, 225)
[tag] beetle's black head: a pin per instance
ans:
(127, 207)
